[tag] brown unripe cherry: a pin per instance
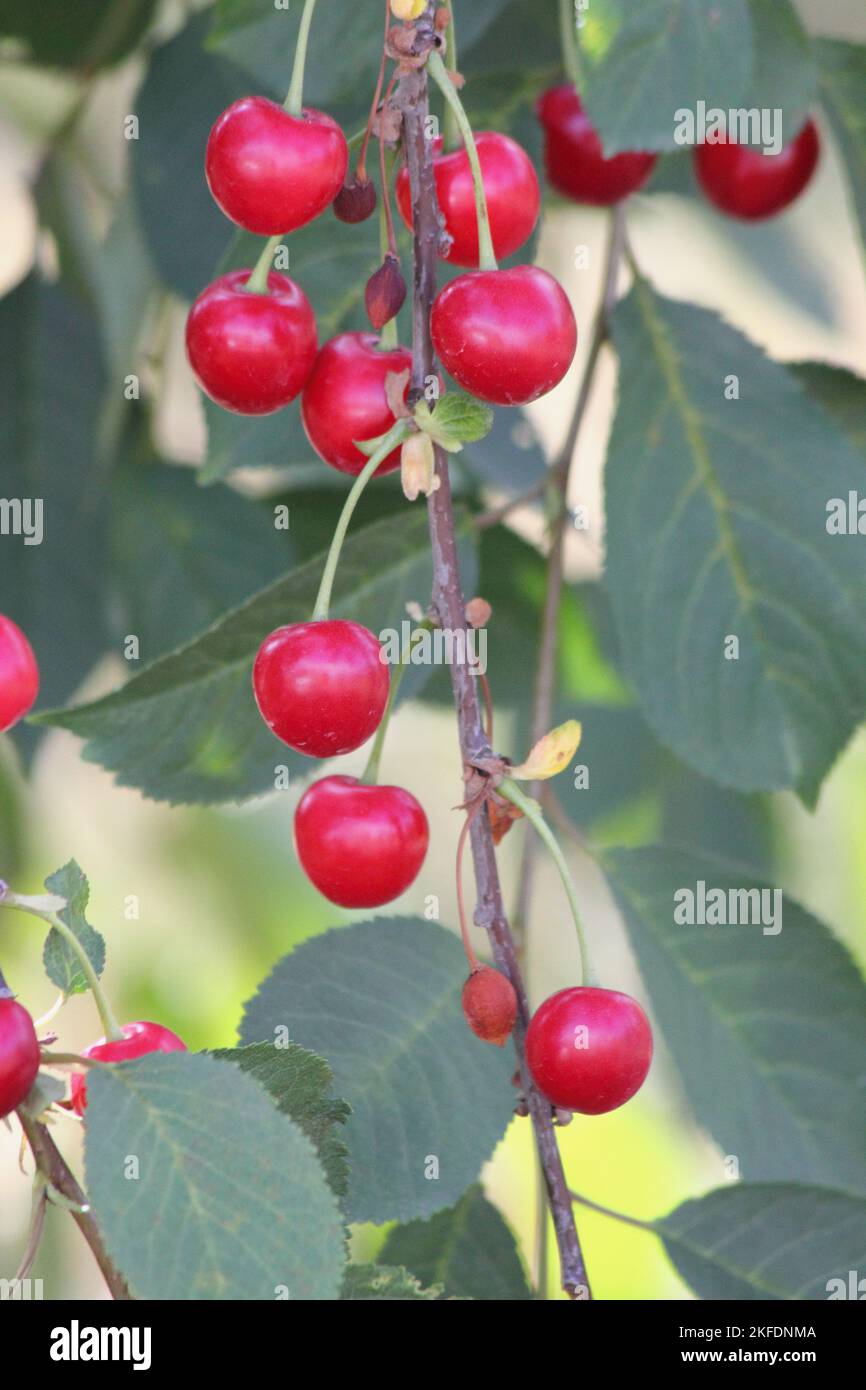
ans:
(385, 293)
(490, 1005)
(356, 200)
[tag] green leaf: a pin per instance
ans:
(227, 1199)
(186, 729)
(457, 419)
(786, 71)
(842, 395)
(61, 963)
(376, 1283)
(641, 64)
(768, 1241)
(299, 1083)
(843, 96)
(467, 1249)
(89, 34)
(768, 1030)
(717, 528)
(261, 441)
(510, 458)
(381, 1000)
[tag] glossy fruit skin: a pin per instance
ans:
(361, 846)
(19, 1054)
(490, 1005)
(252, 353)
(345, 400)
(271, 172)
(322, 687)
(511, 187)
(507, 336)
(574, 157)
(19, 674)
(138, 1040)
(743, 182)
(601, 1071)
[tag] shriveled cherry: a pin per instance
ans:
(252, 353)
(138, 1040)
(19, 1053)
(270, 171)
(744, 182)
(360, 845)
(19, 674)
(574, 157)
(490, 1005)
(510, 186)
(345, 399)
(589, 1049)
(322, 686)
(507, 336)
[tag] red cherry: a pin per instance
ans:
(589, 1049)
(251, 353)
(361, 846)
(322, 687)
(507, 336)
(745, 182)
(511, 186)
(272, 172)
(574, 157)
(490, 1005)
(19, 674)
(345, 399)
(19, 1054)
(138, 1039)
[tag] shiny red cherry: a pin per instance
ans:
(361, 846)
(507, 336)
(251, 353)
(138, 1039)
(19, 674)
(19, 1054)
(589, 1049)
(345, 399)
(574, 158)
(744, 182)
(322, 687)
(511, 187)
(272, 172)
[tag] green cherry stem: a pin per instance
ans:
(568, 34)
(451, 130)
(532, 811)
(294, 102)
(439, 73)
(371, 771)
(258, 281)
(47, 908)
(396, 434)
(389, 336)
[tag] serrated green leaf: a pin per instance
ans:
(843, 96)
(300, 1083)
(375, 1283)
(767, 1027)
(469, 1250)
(840, 393)
(228, 1199)
(457, 419)
(381, 1000)
(717, 528)
(769, 1241)
(62, 965)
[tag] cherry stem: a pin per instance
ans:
(388, 336)
(46, 908)
(371, 771)
(616, 1215)
(439, 73)
(396, 434)
(294, 102)
(461, 906)
(362, 158)
(258, 281)
(568, 33)
(488, 706)
(451, 130)
(533, 813)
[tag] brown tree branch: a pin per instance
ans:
(450, 606)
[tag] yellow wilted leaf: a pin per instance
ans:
(408, 9)
(551, 754)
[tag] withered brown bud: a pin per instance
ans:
(385, 293)
(490, 1005)
(478, 612)
(356, 200)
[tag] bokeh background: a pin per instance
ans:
(219, 894)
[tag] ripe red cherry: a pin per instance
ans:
(589, 1049)
(345, 400)
(574, 157)
(490, 1005)
(19, 674)
(251, 353)
(138, 1039)
(744, 182)
(19, 1054)
(322, 687)
(507, 336)
(272, 172)
(361, 846)
(511, 187)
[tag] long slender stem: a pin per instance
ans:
(568, 35)
(371, 772)
(451, 130)
(395, 436)
(438, 71)
(374, 105)
(388, 337)
(615, 1215)
(294, 102)
(258, 281)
